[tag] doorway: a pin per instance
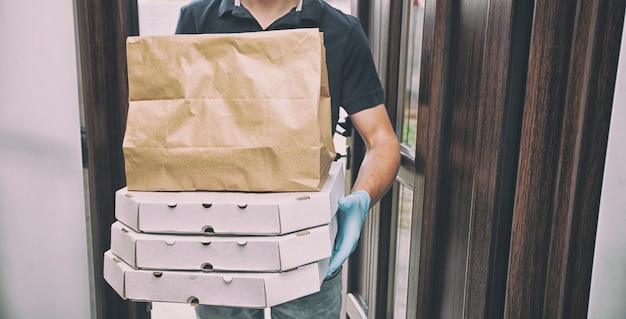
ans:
(482, 165)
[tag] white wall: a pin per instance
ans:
(43, 246)
(608, 281)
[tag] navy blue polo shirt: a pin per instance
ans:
(352, 76)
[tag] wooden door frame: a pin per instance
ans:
(567, 109)
(103, 26)
(469, 119)
(512, 128)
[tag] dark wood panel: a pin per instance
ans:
(469, 122)
(431, 140)
(102, 30)
(458, 160)
(502, 83)
(571, 78)
(594, 102)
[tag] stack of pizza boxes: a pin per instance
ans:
(252, 250)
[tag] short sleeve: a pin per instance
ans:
(186, 22)
(361, 85)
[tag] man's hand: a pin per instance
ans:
(351, 215)
(376, 175)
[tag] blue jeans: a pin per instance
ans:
(325, 304)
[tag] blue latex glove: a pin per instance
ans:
(350, 217)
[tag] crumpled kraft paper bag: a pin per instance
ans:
(237, 112)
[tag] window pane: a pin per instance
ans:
(409, 122)
(403, 242)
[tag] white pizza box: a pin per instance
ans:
(236, 213)
(234, 289)
(222, 253)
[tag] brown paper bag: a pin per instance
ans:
(237, 112)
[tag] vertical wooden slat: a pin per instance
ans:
(571, 79)
(430, 146)
(102, 29)
(602, 47)
(473, 75)
(502, 83)
(459, 158)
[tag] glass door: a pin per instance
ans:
(379, 279)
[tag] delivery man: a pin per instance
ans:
(355, 86)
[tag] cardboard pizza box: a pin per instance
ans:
(234, 289)
(222, 253)
(200, 212)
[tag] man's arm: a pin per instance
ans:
(382, 156)
(377, 173)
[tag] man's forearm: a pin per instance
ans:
(378, 170)
(382, 156)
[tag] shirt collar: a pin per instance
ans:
(237, 3)
(307, 9)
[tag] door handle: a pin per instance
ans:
(348, 156)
